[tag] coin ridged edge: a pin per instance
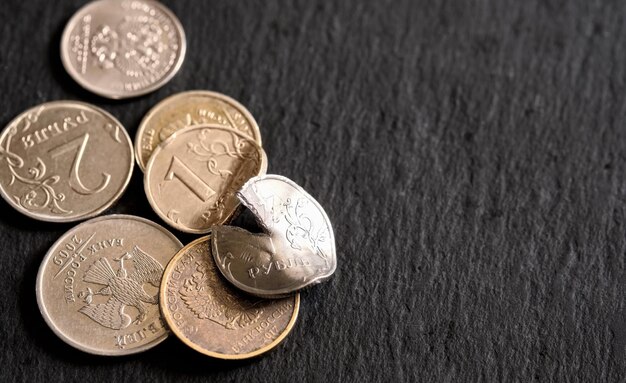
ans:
(44, 312)
(104, 207)
(182, 338)
(117, 96)
(146, 181)
(144, 121)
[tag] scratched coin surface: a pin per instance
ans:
(297, 250)
(64, 161)
(98, 286)
(123, 48)
(214, 318)
(187, 109)
(192, 178)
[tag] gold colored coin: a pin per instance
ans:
(212, 317)
(98, 286)
(187, 109)
(192, 178)
(64, 161)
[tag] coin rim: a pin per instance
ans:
(286, 290)
(174, 329)
(168, 141)
(48, 318)
(190, 93)
(65, 38)
(95, 212)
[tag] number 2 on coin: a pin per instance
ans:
(188, 178)
(78, 145)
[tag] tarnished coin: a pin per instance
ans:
(193, 176)
(98, 286)
(64, 161)
(212, 317)
(123, 48)
(187, 109)
(297, 251)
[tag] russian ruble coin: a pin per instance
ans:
(212, 317)
(192, 178)
(64, 161)
(187, 109)
(123, 48)
(296, 250)
(98, 285)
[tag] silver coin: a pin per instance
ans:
(98, 285)
(64, 161)
(297, 250)
(123, 48)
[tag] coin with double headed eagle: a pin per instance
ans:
(211, 316)
(97, 287)
(123, 48)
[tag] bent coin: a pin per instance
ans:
(64, 161)
(97, 287)
(122, 48)
(297, 251)
(187, 109)
(212, 317)
(192, 178)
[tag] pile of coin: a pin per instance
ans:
(118, 284)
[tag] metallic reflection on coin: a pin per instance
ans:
(64, 161)
(212, 317)
(187, 109)
(123, 48)
(97, 287)
(297, 251)
(192, 178)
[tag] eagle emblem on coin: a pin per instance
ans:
(221, 306)
(123, 289)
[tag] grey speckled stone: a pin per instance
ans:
(471, 156)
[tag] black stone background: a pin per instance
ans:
(470, 154)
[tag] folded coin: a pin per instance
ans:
(192, 178)
(64, 161)
(187, 109)
(122, 48)
(212, 317)
(97, 287)
(297, 250)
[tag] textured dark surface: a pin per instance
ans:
(470, 154)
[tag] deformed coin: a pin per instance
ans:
(97, 287)
(192, 178)
(123, 48)
(297, 250)
(212, 317)
(64, 161)
(187, 109)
